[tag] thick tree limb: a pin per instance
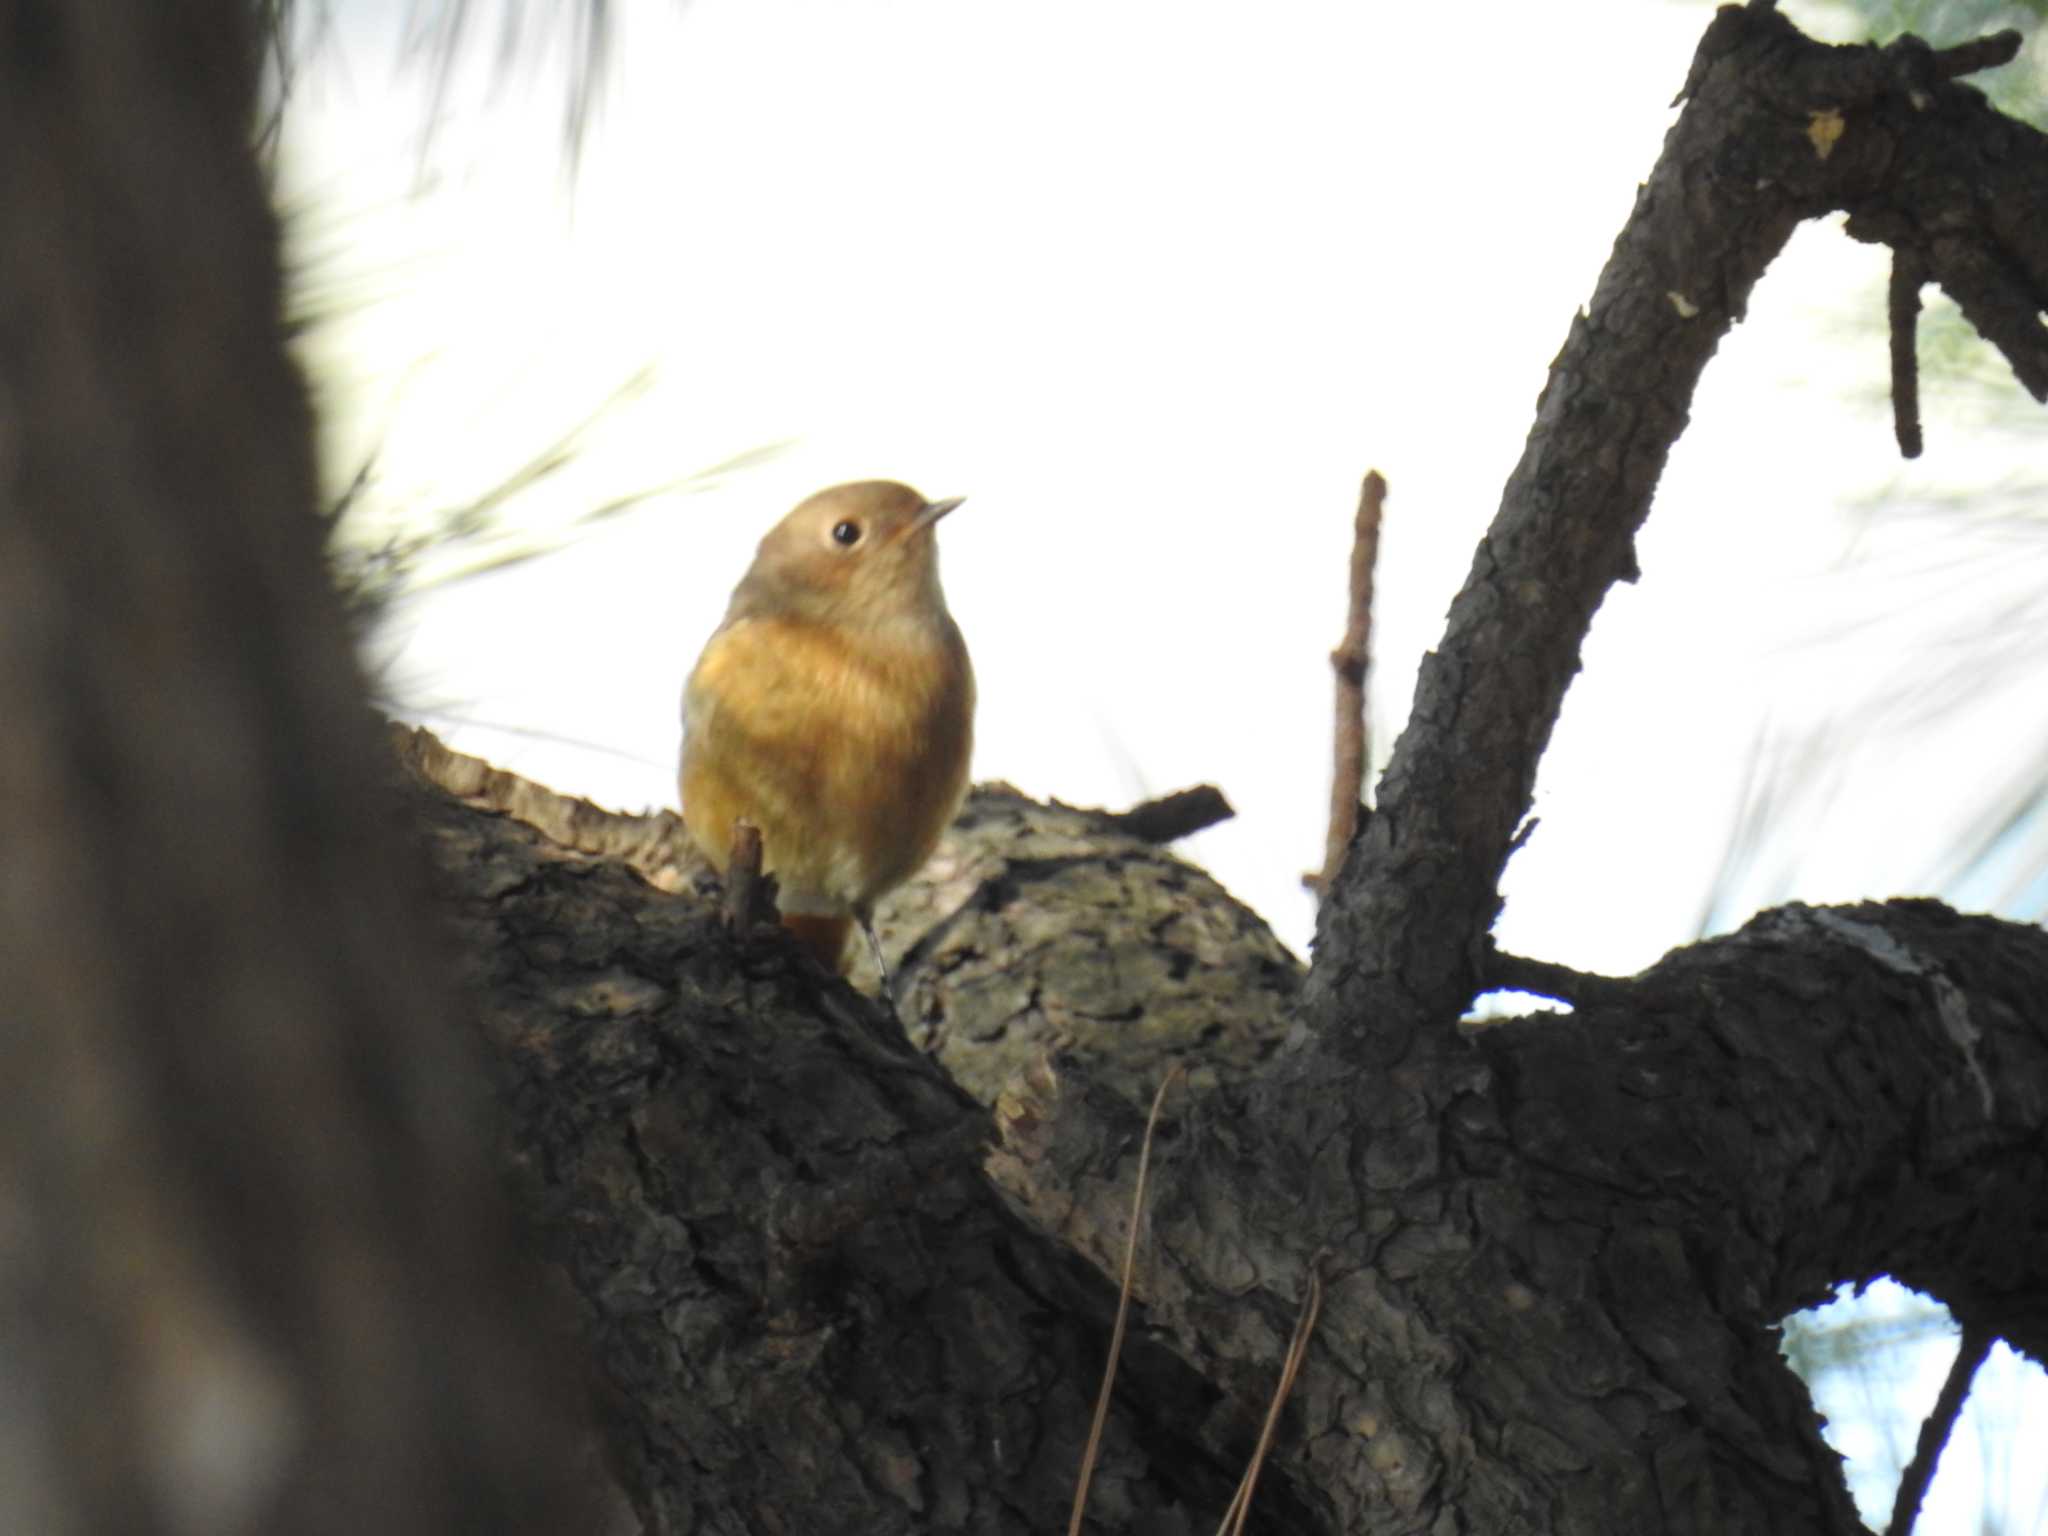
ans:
(1124, 987)
(1556, 1248)
(808, 1309)
(1918, 162)
(657, 844)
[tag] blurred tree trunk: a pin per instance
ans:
(251, 1271)
(254, 1274)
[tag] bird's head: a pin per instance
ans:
(863, 554)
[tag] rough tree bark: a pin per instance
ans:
(825, 1289)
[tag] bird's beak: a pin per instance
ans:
(934, 510)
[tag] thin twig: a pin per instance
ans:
(1903, 310)
(1169, 818)
(749, 896)
(1123, 1307)
(1297, 1351)
(1500, 971)
(1351, 661)
(1982, 53)
(1936, 1428)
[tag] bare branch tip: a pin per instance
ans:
(1939, 1424)
(1502, 971)
(1352, 662)
(1169, 818)
(1989, 52)
(1903, 316)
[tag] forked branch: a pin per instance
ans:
(1920, 163)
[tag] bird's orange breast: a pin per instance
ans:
(849, 750)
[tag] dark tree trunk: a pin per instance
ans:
(823, 1288)
(254, 1274)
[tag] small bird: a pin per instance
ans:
(833, 709)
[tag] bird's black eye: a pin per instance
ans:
(846, 534)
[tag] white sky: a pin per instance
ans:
(1151, 284)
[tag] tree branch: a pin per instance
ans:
(1351, 661)
(1936, 1431)
(1587, 1222)
(1902, 315)
(1169, 818)
(1501, 971)
(769, 1212)
(1918, 162)
(1883, 1046)
(1981, 54)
